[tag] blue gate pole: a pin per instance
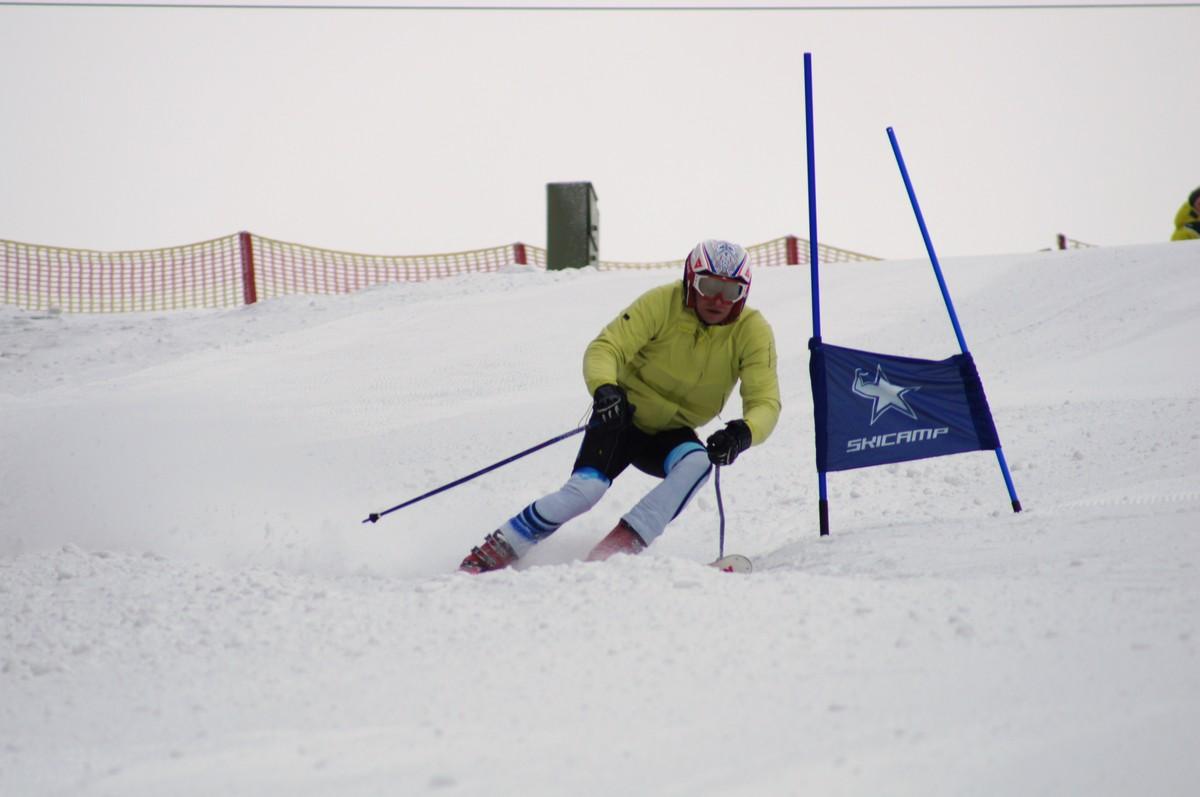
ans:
(813, 250)
(813, 264)
(937, 270)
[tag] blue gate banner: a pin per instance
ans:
(875, 409)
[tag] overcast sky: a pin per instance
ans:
(406, 131)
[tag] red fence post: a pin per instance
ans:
(793, 251)
(249, 292)
(1062, 241)
(519, 254)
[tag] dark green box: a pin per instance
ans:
(572, 226)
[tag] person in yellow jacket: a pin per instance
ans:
(662, 368)
(1187, 220)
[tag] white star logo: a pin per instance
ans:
(885, 394)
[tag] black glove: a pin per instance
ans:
(724, 445)
(610, 408)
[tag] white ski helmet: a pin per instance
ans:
(721, 259)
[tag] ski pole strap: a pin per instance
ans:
(375, 516)
(720, 511)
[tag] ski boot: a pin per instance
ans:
(622, 539)
(494, 554)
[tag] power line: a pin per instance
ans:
(1035, 6)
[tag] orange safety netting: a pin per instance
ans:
(207, 274)
(244, 268)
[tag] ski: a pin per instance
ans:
(733, 563)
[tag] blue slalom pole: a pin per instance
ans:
(813, 252)
(813, 264)
(937, 270)
(933, 258)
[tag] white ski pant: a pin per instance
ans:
(649, 517)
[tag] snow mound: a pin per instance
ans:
(190, 603)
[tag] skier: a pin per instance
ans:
(663, 367)
(1187, 220)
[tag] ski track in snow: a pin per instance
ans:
(189, 603)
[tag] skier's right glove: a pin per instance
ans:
(724, 445)
(611, 409)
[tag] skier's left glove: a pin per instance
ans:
(724, 445)
(611, 409)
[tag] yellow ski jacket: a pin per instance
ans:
(1186, 224)
(679, 371)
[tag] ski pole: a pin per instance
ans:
(720, 510)
(375, 516)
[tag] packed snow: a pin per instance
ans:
(191, 605)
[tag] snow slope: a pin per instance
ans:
(189, 604)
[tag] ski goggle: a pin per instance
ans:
(715, 287)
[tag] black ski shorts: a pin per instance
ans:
(610, 452)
